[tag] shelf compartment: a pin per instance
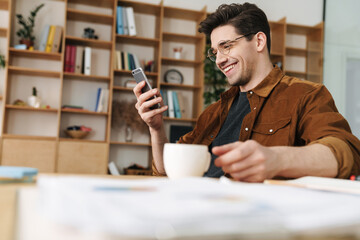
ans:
(180, 62)
(95, 3)
(131, 144)
(3, 32)
(185, 14)
(142, 7)
(80, 140)
(88, 42)
(84, 111)
(175, 37)
(4, 5)
(180, 119)
(33, 72)
(27, 108)
(77, 15)
(179, 86)
(13, 136)
(77, 76)
(128, 72)
(119, 88)
(137, 40)
(300, 29)
(35, 54)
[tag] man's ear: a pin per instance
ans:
(260, 41)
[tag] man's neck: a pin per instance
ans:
(260, 72)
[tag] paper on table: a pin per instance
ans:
(190, 207)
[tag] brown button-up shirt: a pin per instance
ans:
(285, 111)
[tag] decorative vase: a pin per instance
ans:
(128, 134)
(34, 101)
(27, 42)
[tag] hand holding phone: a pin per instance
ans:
(140, 76)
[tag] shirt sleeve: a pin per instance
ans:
(320, 122)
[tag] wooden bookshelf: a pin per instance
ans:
(4, 5)
(88, 42)
(175, 37)
(79, 76)
(35, 54)
(77, 15)
(84, 111)
(137, 40)
(27, 137)
(180, 62)
(27, 108)
(131, 144)
(3, 32)
(33, 72)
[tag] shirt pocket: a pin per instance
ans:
(273, 133)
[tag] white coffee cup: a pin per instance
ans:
(186, 160)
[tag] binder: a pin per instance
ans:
(44, 38)
(182, 104)
(67, 58)
(118, 60)
(171, 104)
(125, 21)
(87, 61)
(176, 105)
(131, 21)
(119, 21)
(126, 60)
(79, 59)
(72, 59)
(50, 39)
(97, 99)
(165, 101)
(57, 40)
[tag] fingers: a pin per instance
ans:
(233, 152)
(137, 89)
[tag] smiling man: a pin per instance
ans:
(267, 125)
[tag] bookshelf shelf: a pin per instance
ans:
(77, 76)
(175, 37)
(144, 8)
(3, 32)
(131, 144)
(95, 3)
(80, 140)
(184, 14)
(137, 40)
(77, 15)
(14, 136)
(35, 54)
(84, 111)
(180, 119)
(4, 5)
(27, 108)
(179, 86)
(128, 73)
(88, 42)
(180, 62)
(300, 29)
(33, 72)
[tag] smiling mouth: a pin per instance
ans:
(228, 68)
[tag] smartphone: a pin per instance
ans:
(139, 76)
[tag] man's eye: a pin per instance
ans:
(227, 46)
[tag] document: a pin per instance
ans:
(192, 207)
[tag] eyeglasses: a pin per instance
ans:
(224, 47)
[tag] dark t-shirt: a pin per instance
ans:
(230, 130)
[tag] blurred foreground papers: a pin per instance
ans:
(161, 208)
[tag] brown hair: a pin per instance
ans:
(246, 18)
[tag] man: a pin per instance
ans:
(267, 125)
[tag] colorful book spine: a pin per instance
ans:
(171, 104)
(125, 21)
(44, 37)
(97, 99)
(79, 59)
(72, 59)
(176, 105)
(131, 21)
(50, 39)
(165, 101)
(57, 40)
(87, 61)
(67, 58)
(119, 21)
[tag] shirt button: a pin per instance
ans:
(246, 129)
(251, 92)
(254, 108)
(212, 136)
(271, 130)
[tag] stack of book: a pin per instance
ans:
(125, 21)
(102, 100)
(77, 59)
(50, 40)
(125, 61)
(176, 103)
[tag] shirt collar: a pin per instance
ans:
(263, 89)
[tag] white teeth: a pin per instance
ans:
(228, 68)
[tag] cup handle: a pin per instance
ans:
(208, 162)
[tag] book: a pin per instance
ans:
(176, 105)
(131, 61)
(79, 59)
(67, 106)
(122, 60)
(131, 21)
(10, 174)
(182, 104)
(87, 61)
(163, 94)
(50, 39)
(72, 59)
(67, 58)
(171, 104)
(119, 21)
(57, 39)
(113, 169)
(102, 105)
(118, 60)
(44, 37)
(97, 99)
(136, 60)
(125, 21)
(126, 61)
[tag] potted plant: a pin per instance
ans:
(124, 114)
(2, 61)
(26, 32)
